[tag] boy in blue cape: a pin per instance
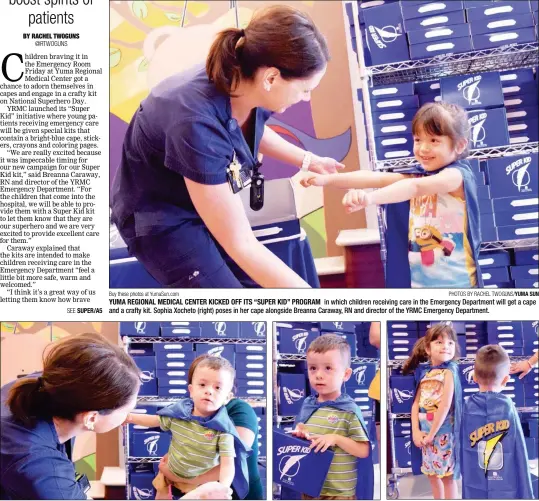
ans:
(332, 419)
(494, 457)
(203, 435)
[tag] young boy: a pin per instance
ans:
(197, 445)
(494, 457)
(332, 419)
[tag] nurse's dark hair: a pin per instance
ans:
(443, 119)
(419, 351)
(279, 36)
(84, 372)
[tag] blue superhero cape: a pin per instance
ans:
(365, 482)
(501, 472)
(220, 421)
(457, 413)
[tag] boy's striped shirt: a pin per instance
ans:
(194, 449)
(342, 475)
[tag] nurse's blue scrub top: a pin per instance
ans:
(183, 129)
(33, 464)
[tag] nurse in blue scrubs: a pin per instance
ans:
(174, 197)
(87, 384)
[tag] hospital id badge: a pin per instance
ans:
(238, 177)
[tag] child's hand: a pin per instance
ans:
(355, 200)
(300, 431)
(321, 443)
(311, 180)
(418, 438)
(428, 439)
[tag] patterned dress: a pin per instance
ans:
(437, 458)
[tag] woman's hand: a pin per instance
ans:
(210, 490)
(324, 165)
(355, 200)
(523, 367)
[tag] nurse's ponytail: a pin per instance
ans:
(81, 373)
(279, 37)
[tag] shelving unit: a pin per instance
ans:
(154, 399)
(509, 57)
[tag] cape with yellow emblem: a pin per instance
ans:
(494, 457)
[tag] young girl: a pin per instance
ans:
(443, 233)
(436, 409)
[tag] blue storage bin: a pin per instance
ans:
(251, 348)
(441, 47)
(392, 129)
(515, 232)
(187, 348)
(403, 452)
(172, 391)
(140, 485)
(488, 128)
(402, 393)
(149, 444)
(139, 329)
(402, 428)
(501, 23)
(497, 10)
(220, 330)
(362, 374)
(217, 350)
(404, 115)
(253, 330)
(513, 176)
(478, 91)
(296, 341)
(393, 90)
(445, 19)
(494, 259)
(526, 256)
(385, 34)
(180, 331)
(432, 34)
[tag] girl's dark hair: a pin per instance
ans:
(214, 363)
(81, 373)
(443, 119)
(419, 352)
(279, 37)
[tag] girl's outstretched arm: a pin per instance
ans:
(356, 179)
(446, 182)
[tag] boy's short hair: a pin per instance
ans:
(491, 364)
(328, 342)
(211, 362)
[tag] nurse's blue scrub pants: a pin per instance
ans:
(185, 256)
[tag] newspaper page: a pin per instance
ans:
(73, 75)
(54, 135)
